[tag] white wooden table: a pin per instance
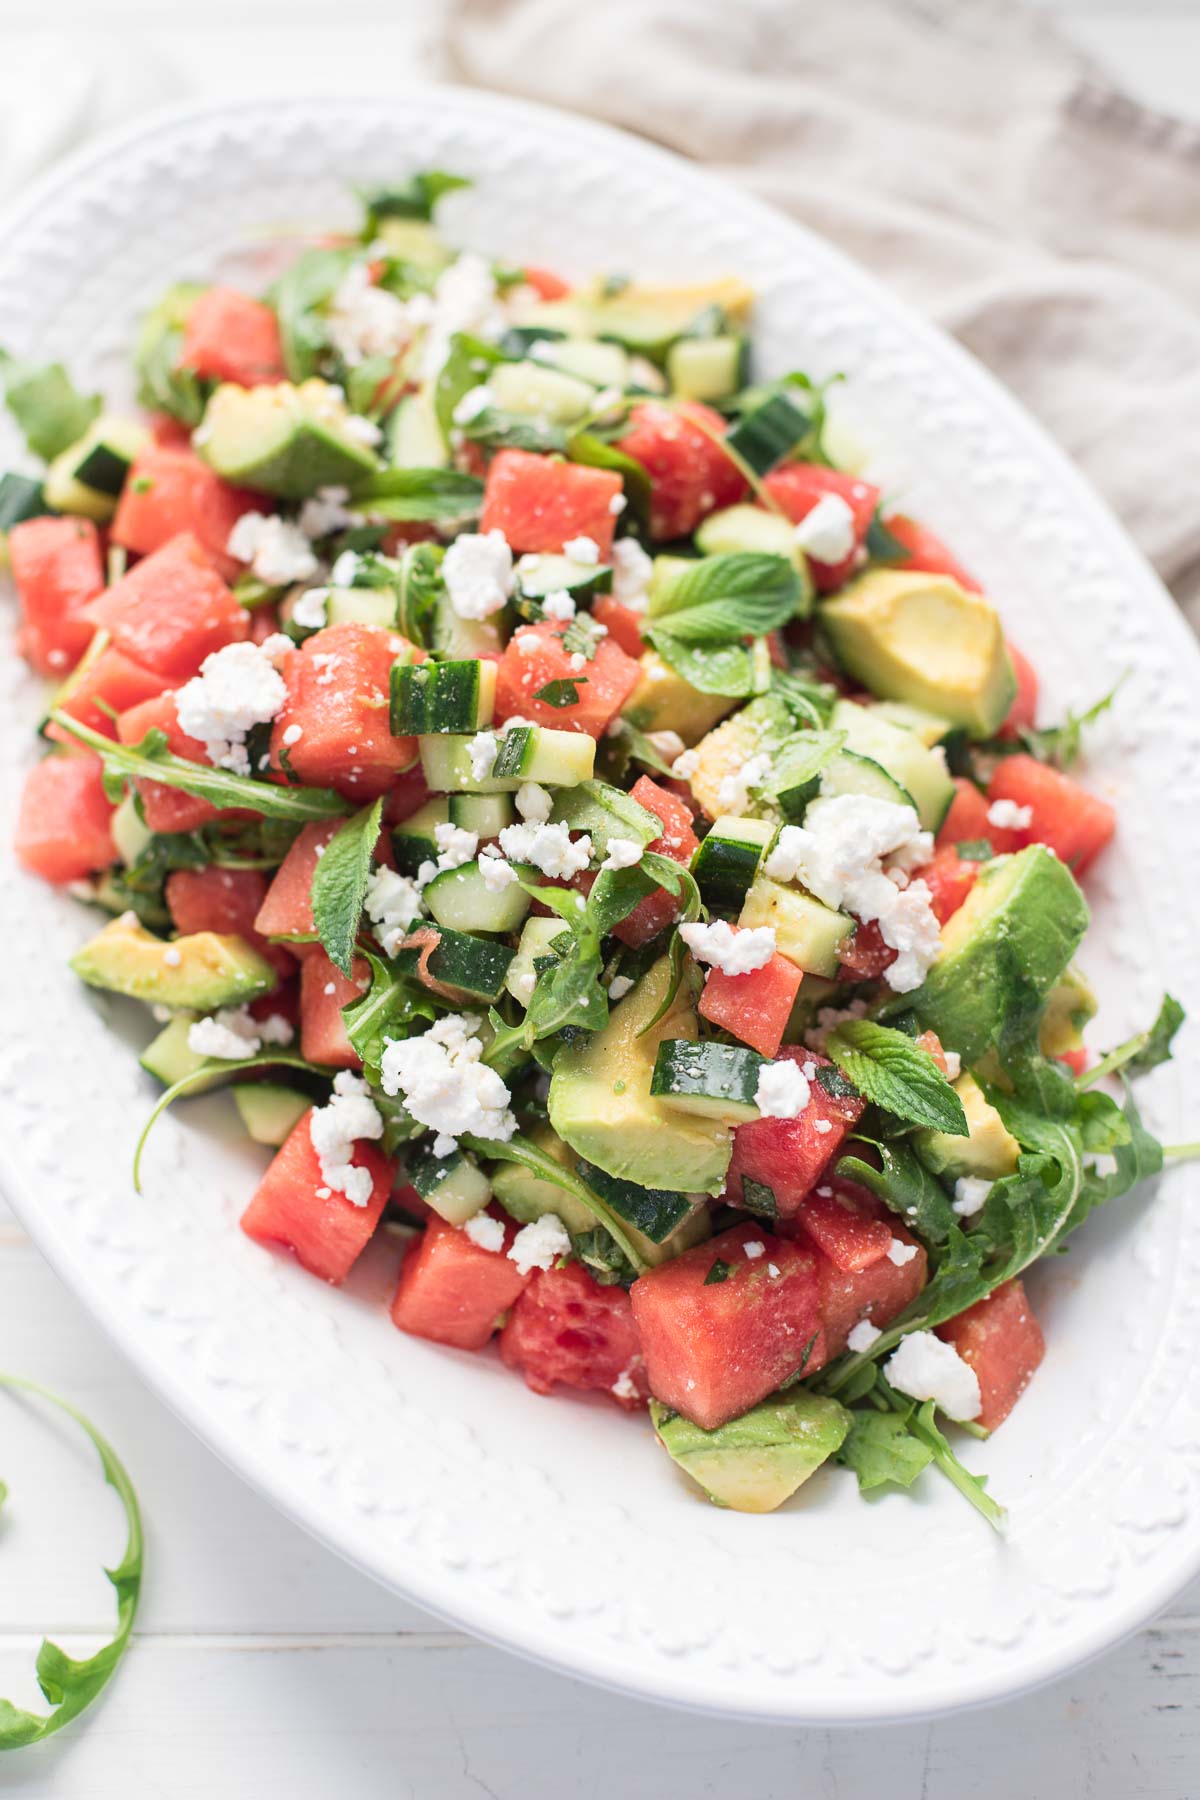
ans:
(263, 1666)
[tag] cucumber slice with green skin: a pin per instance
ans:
(412, 436)
(532, 390)
(461, 899)
(605, 812)
(770, 432)
(455, 638)
(537, 936)
(707, 368)
(524, 753)
(718, 1081)
(413, 241)
(413, 841)
(361, 606)
(727, 861)
(484, 814)
(851, 773)
(929, 727)
(269, 1111)
(473, 966)
(87, 477)
(436, 697)
(798, 767)
(282, 439)
(604, 365)
(453, 1185)
(539, 575)
(901, 753)
(168, 1058)
(21, 497)
(806, 932)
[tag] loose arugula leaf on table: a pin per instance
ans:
(45, 403)
(421, 494)
(524, 1151)
(415, 198)
(70, 1684)
(339, 884)
(891, 1070)
(298, 297)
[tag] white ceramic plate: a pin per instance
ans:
(555, 1526)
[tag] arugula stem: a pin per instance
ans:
(1116, 1059)
(1181, 1152)
(218, 1066)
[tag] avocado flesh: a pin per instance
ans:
(1002, 951)
(755, 1463)
(600, 1101)
(212, 969)
(927, 641)
(664, 701)
(761, 728)
(282, 439)
(1068, 1009)
(989, 1149)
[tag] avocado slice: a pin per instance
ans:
(762, 727)
(927, 641)
(600, 1100)
(989, 1149)
(664, 701)
(1002, 951)
(1070, 1006)
(755, 1463)
(283, 439)
(203, 971)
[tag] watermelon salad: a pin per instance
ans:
(607, 851)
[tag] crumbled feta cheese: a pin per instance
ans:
(925, 1368)
(443, 1082)
(862, 1336)
(732, 950)
(582, 550)
(631, 569)
(497, 874)
(838, 854)
(393, 904)
(953, 1064)
(528, 643)
(733, 794)
(475, 401)
(344, 572)
(478, 573)
(486, 1232)
(330, 987)
(326, 511)
(782, 1092)
(237, 688)
(970, 1193)
(311, 608)
(899, 1252)
(823, 1127)
(233, 1033)
(548, 847)
(277, 551)
(558, 605)
(172, 956)
(482, 753)
(754, 1249)
(829, 1018)
(444, 1145)
(622, 854)
(455, 845)
(625, 1387)
(362, 431)
(828, 533)
(1006, 815)
(293, 734)
(539, 1245)
(366, 320)
(349, 1116)
(619, 986)
(617, 504)
(669, 745)
(533, 802)
(685, 766)
(464, 300)
(525, 984)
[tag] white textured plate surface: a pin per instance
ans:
(555, 1526)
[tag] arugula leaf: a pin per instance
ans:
(720, 598)
(585, 447)
(1137, 1157)
(889, 1069)
(46, 405)
(561, 693)
(419, 586)
(906, 1186)
(71, 1684)
(415, 198)
(405, 494)
(388, 1009)
(881, 1448)
(603, 1256)
(1144, 1051)
(655, 1212)
(1061, 744)
(924, 1428)
(204, 1072)
(162, 385)
(298, 295)
(467, 366)
(339, 884)
(523, 1151)
(150, 760)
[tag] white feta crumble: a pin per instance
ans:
(725, 947)
(277, 551)
(668, 743)
(233, 1034)
(631, 569)
(829, 1018)
(456, 846)
(754, 1249)
(685, 766)
(443, 1082)
(344, 572)
(327, 511)
(925, 1368)
(953, 1064)
(558, 605)
(623, 853)
(533, 802)
(475, 401)
(361, 430)
(862, 1336)
(444, 1145)
(237, 688)
(538, 1246)
(528, 643)
(828, 533)
(349, 1116)
(464, 300)
(582, 550)
(172, 956)
(311, 608)
(525, 985)
(1006, 815)
(617, 504)
(482, 754)
(625, 1387)
(619, 986)
(486, 1232)
(970, 1194)
(838, 854)
(733, 795)
(393, 904)
(548, 847)
(366, 320)
(293, 734)
(330, 987)
(823, 1127)
(497, 874)
(478, 572)
(899, 1253)
(782, 1091)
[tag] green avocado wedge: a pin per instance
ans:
(203, 971)
(755, 1463)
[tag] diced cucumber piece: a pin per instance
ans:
(718, 1081)
(524, 753)
(461, 638)
(604, 365)
(532, 390)
(475, 967)
(707, 368)
(453, 1185)
(168, 1057)
(130, 833)
(21, 497)
(542, 574)
(447, 696)
(87, 477)
(484, 814)
(806, 932)
(413, 841)
(361, 606)
(901, 753)
(797, 769)
(412, 436)
(268, 1110)
(727, 861)
(462, 899)
(764, 436)
(537, 935)
(526, 1196)
(605, 812)
(851, 773)
(929, 727)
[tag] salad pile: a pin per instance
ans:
(601, 846)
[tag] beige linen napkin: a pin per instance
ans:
(962, 151)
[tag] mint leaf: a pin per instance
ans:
(727, 598)
(390, 1008)
(339, 884)
(421, 494)
(758, 1198)
(730, 669)
(583, 637)
(720, 1271)
(890, 1070)
(419, 586)
(46, 405)
(468, 364)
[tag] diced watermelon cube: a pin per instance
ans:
(294, 1206)
(338, 696)
(949, 878)
(715, 1347)
(690, 474)
(452, 1290)
(623, 624)
(877, 1294)
(754, 1007)
(967, 821)
(546, 284)
(603, 685)
(1075, 824)
(167, 808)
(927, 552)
(112, 683)
(56, 568)
(865, 955)
(566, 1328)
(788, 1155)
(168, 491)
(1022, 714)
(1003, 1343)
(286, 912)
(541, 503)
(797, 487)
(171, 610)
(679, 842)
(223, 900)
(324, 990)
(64, 826)
(408, 794)
(230, 337)
(842, 1219)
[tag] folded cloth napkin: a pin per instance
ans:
(964, 152)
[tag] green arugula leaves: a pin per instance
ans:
(339, 884)
(415, 198)
(45, 403)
